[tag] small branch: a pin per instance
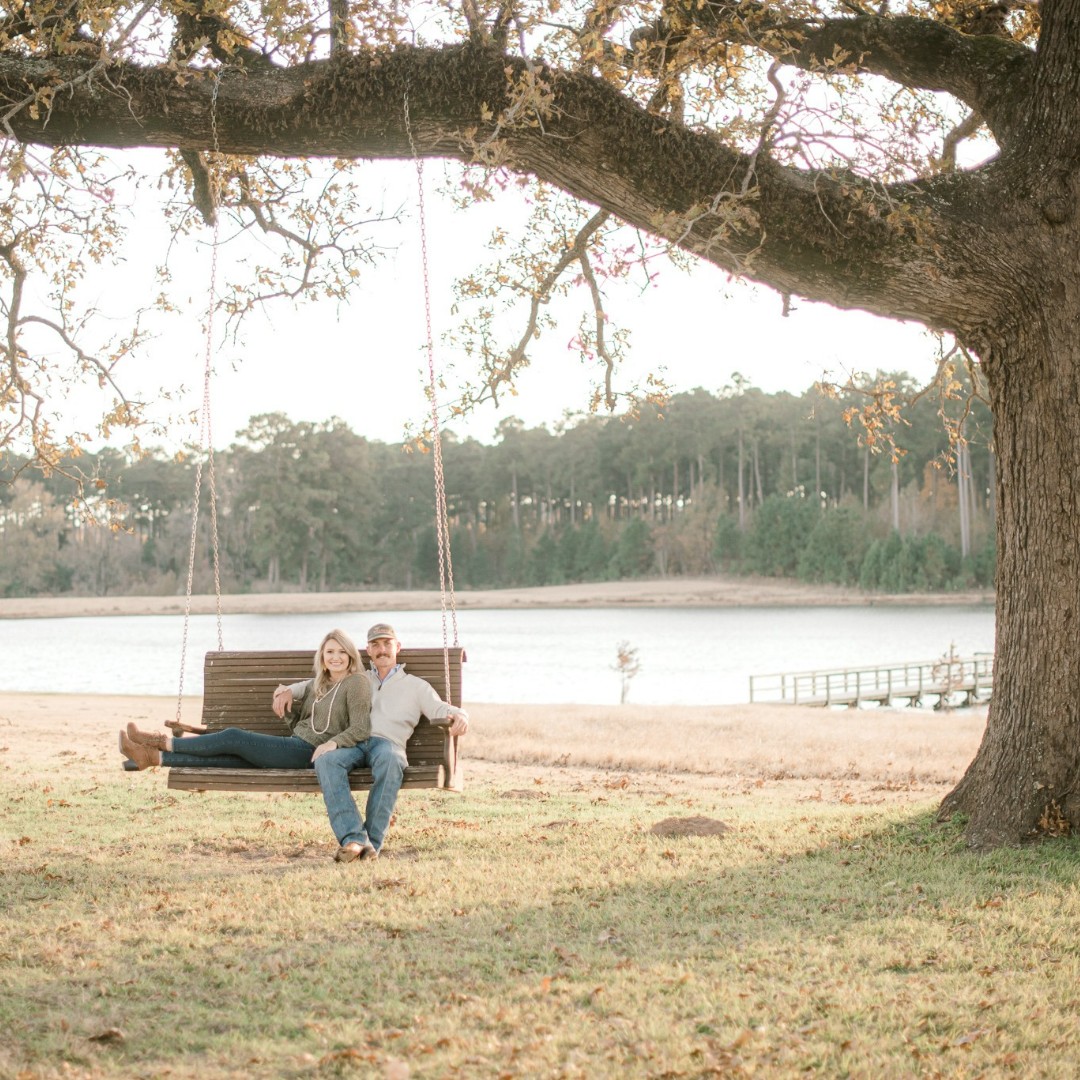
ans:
(202, 187)
(196, 27)
(600, 318)
(474, 20)
(500, 26)
(964, 130)
(339, 27)
(574, 253)
(104, 370)
(267, 222)
(767, 124)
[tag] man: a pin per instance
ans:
(398, 700)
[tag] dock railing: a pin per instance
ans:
(915, 681)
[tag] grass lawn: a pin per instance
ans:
(536, 926)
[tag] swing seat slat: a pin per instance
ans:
(238, 686)
(297, 780)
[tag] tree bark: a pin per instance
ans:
(1025, 778)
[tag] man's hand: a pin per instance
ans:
(283, 701)
(323, 748)
(459, 724)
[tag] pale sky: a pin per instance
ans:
(366, 362)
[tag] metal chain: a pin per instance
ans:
(205, 440)
(442, 519)
(208, 366)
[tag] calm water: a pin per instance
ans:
(688, 655)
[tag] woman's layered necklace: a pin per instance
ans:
(315, 704)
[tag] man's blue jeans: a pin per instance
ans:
(235, 748)
(387, 762)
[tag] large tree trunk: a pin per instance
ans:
(1024, 779)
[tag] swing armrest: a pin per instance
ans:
(179, 728)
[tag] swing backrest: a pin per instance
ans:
(237, 691)
(238, 686)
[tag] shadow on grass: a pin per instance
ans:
(834, 939)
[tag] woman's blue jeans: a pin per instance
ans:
(387, 762)
(235, 748)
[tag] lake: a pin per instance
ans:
(688, 656)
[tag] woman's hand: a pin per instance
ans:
(323, 748)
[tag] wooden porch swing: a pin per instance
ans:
(238, 686)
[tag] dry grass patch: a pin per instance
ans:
(888, 745)
(535, 926)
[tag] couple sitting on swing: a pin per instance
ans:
(338, 724)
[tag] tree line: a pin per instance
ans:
(738, 481)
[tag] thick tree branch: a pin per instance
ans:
(799, 232)
(987, 73)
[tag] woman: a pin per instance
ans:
(334, 712)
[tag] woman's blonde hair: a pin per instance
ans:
(322, 676)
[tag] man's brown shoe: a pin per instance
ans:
(154, 739)
(352, 851)
(145, 757)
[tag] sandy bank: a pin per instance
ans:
(673, 592)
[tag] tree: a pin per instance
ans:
(782, 525)
(811, 147)
(835, 547)
(31, 528)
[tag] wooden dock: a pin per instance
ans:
(944, 682)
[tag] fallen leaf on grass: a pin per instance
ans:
(109, 1035)
(350, 1054)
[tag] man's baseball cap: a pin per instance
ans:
(381, 630)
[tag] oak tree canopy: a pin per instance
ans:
(914, 159)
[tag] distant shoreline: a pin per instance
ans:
(672, 592)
